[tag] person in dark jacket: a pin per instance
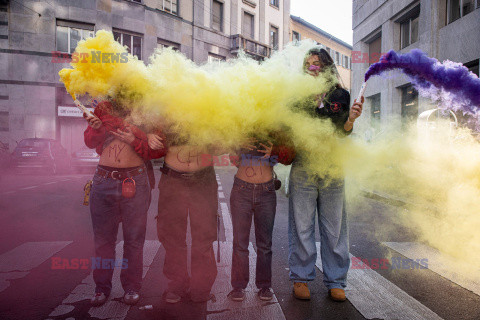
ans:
(311, 195)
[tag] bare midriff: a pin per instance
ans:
(119, 154)
(186, 158)
(255, 171)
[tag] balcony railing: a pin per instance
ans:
(256, 49)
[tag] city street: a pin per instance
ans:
(379, 97)
(46, 229)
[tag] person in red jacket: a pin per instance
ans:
(253, 196)
(120, 193)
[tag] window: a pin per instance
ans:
(375, 49)
(275, 3)
(459, 8)
(248, 25)
(337, 58)
(168, 6)
(467, 6)
(133, 42)
(473, 66)
(274, 37)
(409, 31)
(70, 33)
(217, 15)
(374, 103)
(4, 121)
(296, 36)
(345, 62)
(161, 43)
(409, 104)
(328, 50)
(212, 57)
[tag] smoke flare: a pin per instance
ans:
(451, 82)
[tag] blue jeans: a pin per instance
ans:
(309, 195)
(259, 201)
(108, 208)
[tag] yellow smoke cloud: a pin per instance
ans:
(218, 104)
(222, 104)
(437, 173)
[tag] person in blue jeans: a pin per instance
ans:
(123, 151)
(253, 196)
(311, 195)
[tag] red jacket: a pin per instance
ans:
(285, 154)
(95, 138)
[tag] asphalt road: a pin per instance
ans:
(43, 219)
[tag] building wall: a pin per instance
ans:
(29, 81)
(458, 41)
(308, 33)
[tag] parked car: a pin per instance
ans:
(39, 153)
(85, 159)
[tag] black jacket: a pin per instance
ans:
(336, 106)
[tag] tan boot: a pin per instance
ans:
(300, 291)
(337, 294)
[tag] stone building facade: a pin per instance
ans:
(443, 29)
(33, 103)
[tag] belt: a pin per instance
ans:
(184, 175)
(249, 185)
(119, 175)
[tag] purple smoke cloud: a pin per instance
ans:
(450, 82)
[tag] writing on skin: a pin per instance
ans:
(116, 149)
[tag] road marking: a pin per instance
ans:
(111, 309)
(220, 187)
(28, 188)
(227, 222)
(18, 262)
(46, 184)
(376, 297)
(252, 307)
(9, 192)
(221, 195)
(442, 264)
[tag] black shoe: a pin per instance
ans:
(237, 294)
(265, 294)
(172, 297)
(98, 299)
(131, 297)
